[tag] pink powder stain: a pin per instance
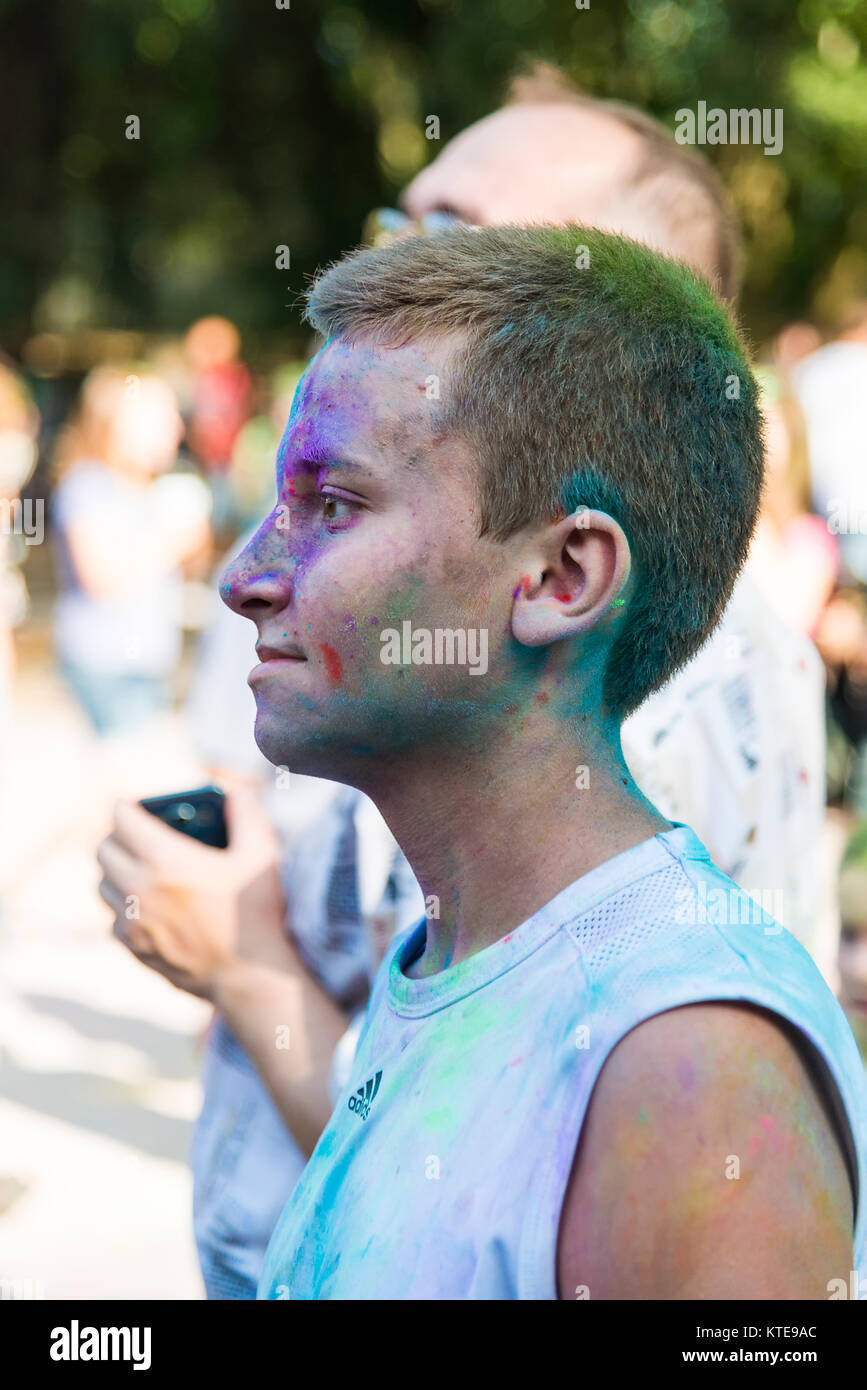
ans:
(332, 664)
(777, 1139)
(542, 697)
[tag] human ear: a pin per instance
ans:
(585, 564)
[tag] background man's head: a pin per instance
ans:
(546, 423)
(552, 154)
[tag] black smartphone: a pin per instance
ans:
(200, 813)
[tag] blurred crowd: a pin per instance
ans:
(158, 466)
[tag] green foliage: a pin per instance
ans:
(263, 127)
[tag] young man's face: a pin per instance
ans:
(375, 526)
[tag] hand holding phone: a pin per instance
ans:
(195, 912)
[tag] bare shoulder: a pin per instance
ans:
(707, 1167)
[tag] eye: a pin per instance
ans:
(337, 510)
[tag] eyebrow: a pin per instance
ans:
(316, 460)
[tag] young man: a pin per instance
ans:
(733, 745)
(519, 487)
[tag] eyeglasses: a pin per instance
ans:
(385, 225)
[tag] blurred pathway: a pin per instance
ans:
(98, 1056)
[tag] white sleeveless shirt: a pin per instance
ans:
(443, 1169)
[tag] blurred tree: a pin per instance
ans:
(261, 127)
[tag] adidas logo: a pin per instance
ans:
(365, 1096)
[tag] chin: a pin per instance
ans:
(299, 751)
(273, 743)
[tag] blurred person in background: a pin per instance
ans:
(852, 958)
(251, 472)
(793, 557)
(733, 746)
(831, 387)
(123, 529)
(841, 636)
(793, 343)
(19, 427)
(220, 400)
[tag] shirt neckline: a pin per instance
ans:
(415, 998)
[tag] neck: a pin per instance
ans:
(495, 839)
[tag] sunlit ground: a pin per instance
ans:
(98, 1056)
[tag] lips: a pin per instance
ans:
(273, 659)
(267, 653)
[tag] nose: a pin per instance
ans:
(258, 582)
